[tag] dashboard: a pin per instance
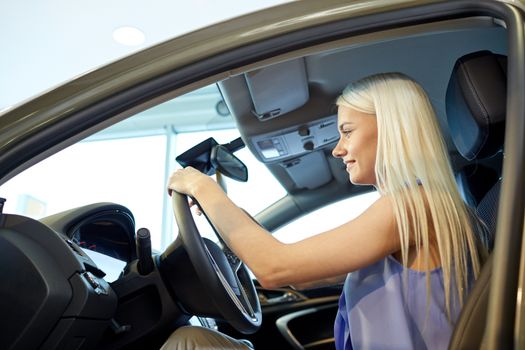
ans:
(59, 296)
(78, 283)
(110, 266)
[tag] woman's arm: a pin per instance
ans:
(332, 281)
(351, 246)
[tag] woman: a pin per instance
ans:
(413, 253)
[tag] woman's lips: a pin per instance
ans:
(349, 164)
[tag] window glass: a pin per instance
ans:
(127, 171)
(129, 164)
(325, 218)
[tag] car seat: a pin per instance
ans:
(476, 106)
(475, 180)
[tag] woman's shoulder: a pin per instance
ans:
(379, 217)
(383, 205)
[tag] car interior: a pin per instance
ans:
(284, 110)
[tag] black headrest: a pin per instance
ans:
(476, 104)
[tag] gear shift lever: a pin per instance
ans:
(145, 261)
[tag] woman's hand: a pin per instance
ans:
(188, 181)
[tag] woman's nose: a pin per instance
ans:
(338, 151)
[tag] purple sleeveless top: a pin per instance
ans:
(384, 306)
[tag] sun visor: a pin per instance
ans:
(278, 89)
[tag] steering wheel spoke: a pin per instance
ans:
(245, 298)
(233, 259)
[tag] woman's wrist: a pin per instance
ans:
(203, 186)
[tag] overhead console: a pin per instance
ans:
(278, 114)
(298, 151)
(295, 141)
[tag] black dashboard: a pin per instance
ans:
(76, 283)
(58, 296)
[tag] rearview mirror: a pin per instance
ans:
(227, 164)
(199, 157)
(208, 157)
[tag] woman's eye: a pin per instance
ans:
(346, 133)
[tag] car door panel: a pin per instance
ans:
(294, 320)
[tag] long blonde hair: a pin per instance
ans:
(413, 167)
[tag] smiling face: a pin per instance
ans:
(357, 144)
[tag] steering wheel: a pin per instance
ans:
(221, 272)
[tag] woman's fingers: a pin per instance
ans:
(183, 180)
(197, 209)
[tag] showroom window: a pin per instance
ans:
(127, 171)
(130, 162)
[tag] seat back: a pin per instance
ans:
(476, 106)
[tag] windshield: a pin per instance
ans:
(130, 162)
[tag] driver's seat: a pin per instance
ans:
(476, 107)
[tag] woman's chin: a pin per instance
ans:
(359, 181)
(355, 181)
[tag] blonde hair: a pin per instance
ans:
(413, 167)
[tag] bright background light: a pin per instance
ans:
(45, 43)
(130, 36)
